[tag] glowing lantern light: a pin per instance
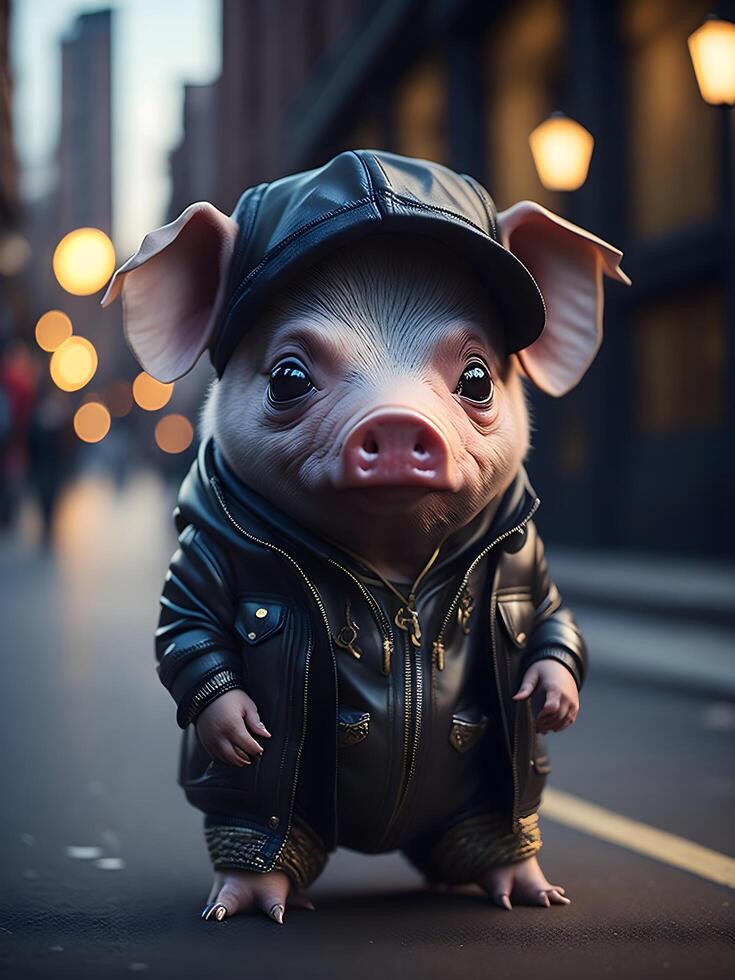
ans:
(92, 422)
(174, 433)
(73, 364)
(562, 150)
(712, 49)
(151, 394)
(83, 261)
(52, 329)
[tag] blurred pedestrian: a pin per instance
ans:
(50, 446)
(18, 374)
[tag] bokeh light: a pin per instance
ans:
(73, 364)
(119, 398)
(562, 150)
(84, 260)
(174, 433)
(52, 329)
(151, 394)
(92, 422)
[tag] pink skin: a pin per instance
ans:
(380, 328)
(383, 455)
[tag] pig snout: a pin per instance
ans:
(396, 448)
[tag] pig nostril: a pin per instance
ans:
(370, 447)
(419, 450)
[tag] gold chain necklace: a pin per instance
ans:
(407, 618)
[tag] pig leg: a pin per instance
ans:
(479, 849)
(236, 889)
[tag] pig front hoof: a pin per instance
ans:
(237, 892)
(524, 883)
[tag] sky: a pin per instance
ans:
(157, 46)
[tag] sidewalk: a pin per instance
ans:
(669, 622)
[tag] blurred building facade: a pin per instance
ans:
(13, 245)
(82, 192)
(640, 456)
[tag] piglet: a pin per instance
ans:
(358, 627)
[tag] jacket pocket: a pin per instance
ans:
(468, 727)
(199, 771)
(517, 612)
(259, 618)
(267, 627)
(354, 726)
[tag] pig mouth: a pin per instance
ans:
(389, 499)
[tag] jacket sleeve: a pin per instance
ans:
(555, 634)
(197, 652)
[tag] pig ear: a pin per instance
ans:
(172, 289)
(568, 263)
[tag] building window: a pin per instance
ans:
(525, 65)
(421, 111)
(679, 349)
(673, 134)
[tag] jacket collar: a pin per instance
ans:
(199, 503)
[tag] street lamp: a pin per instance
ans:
(562, 150)
(712, 49)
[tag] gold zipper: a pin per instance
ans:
(214, 483)
(409, 751)
(509, 739)
(381, 619)
(407, 618)
(438, 648)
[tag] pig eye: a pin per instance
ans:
(475, 385)
(289, 380)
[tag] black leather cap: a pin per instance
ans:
(291, 223)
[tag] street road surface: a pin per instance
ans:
(89, 756)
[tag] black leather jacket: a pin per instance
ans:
(375, 741)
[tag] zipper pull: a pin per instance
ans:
(387, 653)
(408, 620)
(438, 651)
(346, 639)
(464, 610)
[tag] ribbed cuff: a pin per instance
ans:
(302, 856)
(211, 689)
(470, 848)
(234, 847)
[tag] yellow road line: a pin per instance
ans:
(659, 844)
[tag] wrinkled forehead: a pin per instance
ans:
(404, 296)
